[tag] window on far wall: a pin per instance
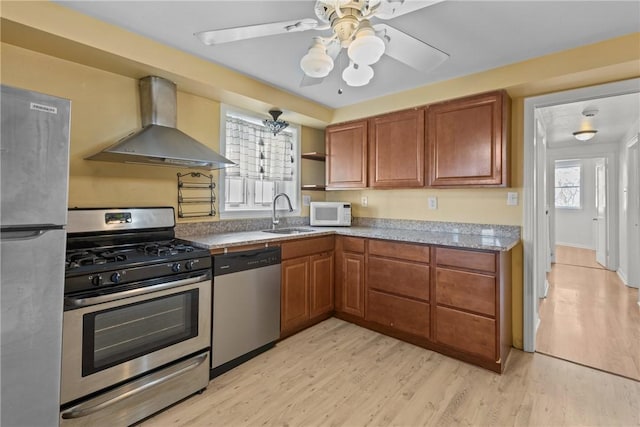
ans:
(568, 184)
(265, 166)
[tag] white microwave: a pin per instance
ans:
(331, 214)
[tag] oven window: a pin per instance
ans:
(123, 333)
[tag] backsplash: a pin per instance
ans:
(254, 224)
(439, 226)
(236, 225)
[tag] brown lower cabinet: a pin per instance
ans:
(450, 300)
(350, 271)
(307, 283)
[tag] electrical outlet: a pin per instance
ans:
(512, 198)
(433, 202)
(364, 201)
(306, 200)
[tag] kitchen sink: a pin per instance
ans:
(290, 230)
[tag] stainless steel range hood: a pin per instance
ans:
(160, 142)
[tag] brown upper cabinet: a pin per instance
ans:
(464, 143)
(346, 149)
(396, 149)
(467, 141)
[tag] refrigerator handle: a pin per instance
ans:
(22, 235)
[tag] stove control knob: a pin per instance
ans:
(115, 277)
(96, 280)
(188, 265)
(175, 267)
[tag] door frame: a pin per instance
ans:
(633, 231)
(533, 201)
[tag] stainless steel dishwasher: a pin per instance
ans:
(246, 306)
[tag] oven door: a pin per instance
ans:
(109, 339)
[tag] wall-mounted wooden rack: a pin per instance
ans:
(314, 155)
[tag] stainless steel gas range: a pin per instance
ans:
(137, 316)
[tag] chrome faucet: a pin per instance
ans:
(274, 219)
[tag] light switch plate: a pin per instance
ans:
(364, 201)
(306, 200)
(512, 198)
(433, 202)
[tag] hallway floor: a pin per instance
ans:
(589, 316)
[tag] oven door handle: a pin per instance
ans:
(84, 302)
(88, 408)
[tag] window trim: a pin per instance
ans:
(558, 164)
(253, 213)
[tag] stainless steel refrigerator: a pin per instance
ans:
(34, 160)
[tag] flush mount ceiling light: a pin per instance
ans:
(275, 126)
(350, 28)
(585, 135)
(587, 131)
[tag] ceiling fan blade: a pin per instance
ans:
(226, 35)
(388, 9)
(409, 50)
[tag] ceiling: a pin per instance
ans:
(478, 35)
(615, 117)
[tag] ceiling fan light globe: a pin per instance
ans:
(359, 76)
(366, 49)
(316, 63)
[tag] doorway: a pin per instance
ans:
(584, 315)
(535, 236)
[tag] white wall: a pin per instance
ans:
(574, 227)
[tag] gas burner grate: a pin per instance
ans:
(165, 249)
(77, 259)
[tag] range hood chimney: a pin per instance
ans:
(159, 142)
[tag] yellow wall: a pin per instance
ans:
(105, 107)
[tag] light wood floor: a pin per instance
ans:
(338, 374)
(576, 256)
(590, 317)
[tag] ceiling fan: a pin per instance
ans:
(351, 27)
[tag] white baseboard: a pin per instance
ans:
(575, 245)
(622, 275)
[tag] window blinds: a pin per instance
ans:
(258, 154)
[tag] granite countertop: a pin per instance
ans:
(485, 240)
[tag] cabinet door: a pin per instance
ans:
(467, 141)
(353, 284)
(295, 293)
(321, 284)
(396, 149)
(346, 147)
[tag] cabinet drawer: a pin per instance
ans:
(398, 277)
(400, 313)
(405, 251)
(473, 260)
(304, 247)
(467, 332)
(352, 244)
(469, 291)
